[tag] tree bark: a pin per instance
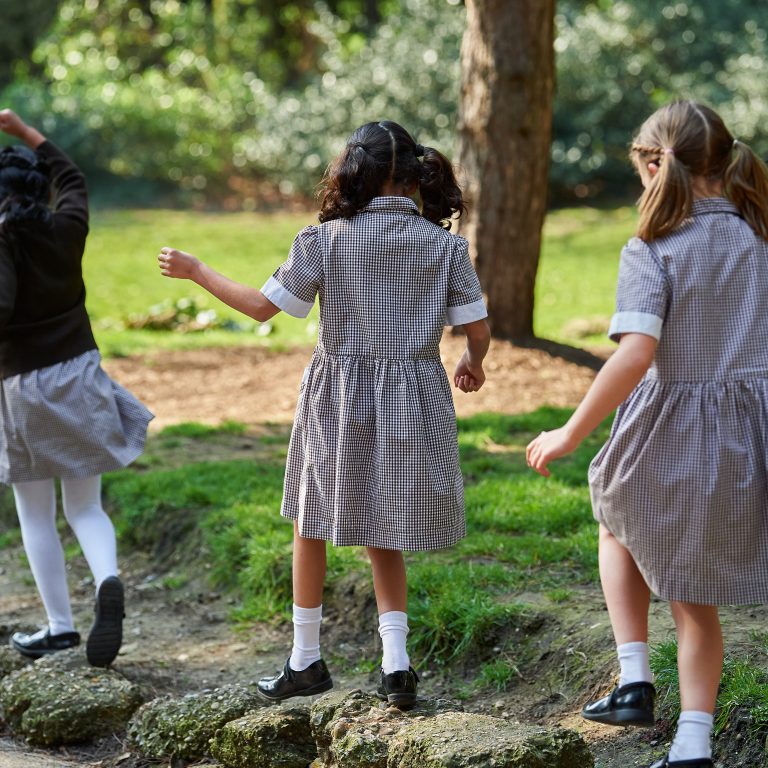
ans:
(505, 126)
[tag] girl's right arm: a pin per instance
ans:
(469, 375)
(243, 298)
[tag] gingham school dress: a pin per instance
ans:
(373, 457)
(682, 480)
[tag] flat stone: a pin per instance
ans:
(61, 699)
(182, 728)
(277, 737)
(461, 740)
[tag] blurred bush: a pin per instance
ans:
(227, 103)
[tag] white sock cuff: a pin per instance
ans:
(394, 620)
(307, 615)
(693, 716)
(634, 647)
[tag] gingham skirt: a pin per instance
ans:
(68, 420)
(683, 484)
(373, 458)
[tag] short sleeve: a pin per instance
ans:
(642, 295)
(294, 285)
(465, 297)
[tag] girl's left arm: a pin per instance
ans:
(611, 387)
(243, 298)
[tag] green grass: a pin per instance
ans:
(525, 533)
(577, 274)
(743, 687)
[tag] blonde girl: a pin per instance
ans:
(681, 487)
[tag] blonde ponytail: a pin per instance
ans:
(746, 184)
(667, 200)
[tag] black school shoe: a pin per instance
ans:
(314, 679)
(43, 643)
(106, 635)
(665, 762)
(398, 688)
(630, 704)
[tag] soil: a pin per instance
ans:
(180, 639)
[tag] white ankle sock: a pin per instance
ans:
(633, 662)
(692, 738)
(393, 629)
(306, 637)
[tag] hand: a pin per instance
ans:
(12, 124)
(547, 447)
(175, 263)
(468, 376)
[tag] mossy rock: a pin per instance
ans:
(353, 728)
(278, 737)
(460, 740)
(62, 700)
(11, 660)
(182, 728)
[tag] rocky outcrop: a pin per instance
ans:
(278, 737)
(182, 728)
(351, 729)
(61, 699)
(11, 660)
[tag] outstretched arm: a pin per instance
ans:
(243, 298)
(13, 125)
(611, 387)
(469, 375)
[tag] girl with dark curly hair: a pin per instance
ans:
(373, 458)
(61, 416)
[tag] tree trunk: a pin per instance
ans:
(505, 125)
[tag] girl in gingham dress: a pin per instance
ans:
(681, 489)
(61, 416)
(373, 457)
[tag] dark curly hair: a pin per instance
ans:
(24, 186)
(381, 153)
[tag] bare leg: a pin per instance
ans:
(389, 580)
(626, 593)
(699, 655)
(308, 570)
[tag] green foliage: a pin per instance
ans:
(617, 61)
(743, 686)
(23, 25)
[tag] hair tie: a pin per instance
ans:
(356, 144)
(736, 142)
(418, 150)
(669, 151)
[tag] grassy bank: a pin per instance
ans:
(574, 292)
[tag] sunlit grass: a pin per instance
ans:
(577, 274)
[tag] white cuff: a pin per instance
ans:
(281, 297)
(635, 322)
(466, 313)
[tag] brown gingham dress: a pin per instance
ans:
(373, 458)
(682, 480)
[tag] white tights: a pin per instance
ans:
(36, 507)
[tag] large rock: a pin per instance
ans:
(182, 727)
(278, 737)
(461, 740)
(62, 700)
(352, 728)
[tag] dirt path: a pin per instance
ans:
(254, 385)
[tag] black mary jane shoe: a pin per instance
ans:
(43, 643)
(630, 704)
(665, 762)
(398, 688)
(106, 635)
(314, 679)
